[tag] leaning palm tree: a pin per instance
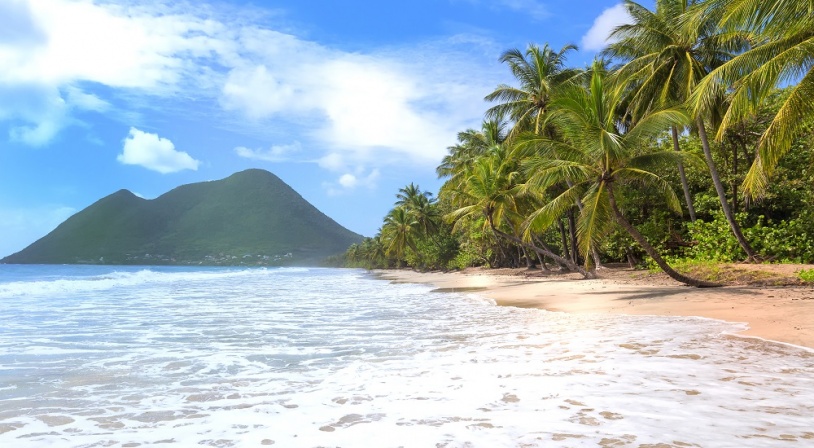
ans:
(598, 155)
(783, 32)
(666, 58)
(490, 192)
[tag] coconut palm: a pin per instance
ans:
(399, 232)
(491, 191)
(540, 72)
(599, 158)
(666, 58)
(422, 207)
(471, 145)
(783, 31)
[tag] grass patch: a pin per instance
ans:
(738, 274)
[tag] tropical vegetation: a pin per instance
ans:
(574, 168)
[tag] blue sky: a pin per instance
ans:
(346, 101)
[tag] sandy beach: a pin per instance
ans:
(784, 314)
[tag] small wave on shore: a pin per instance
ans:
(318, 357)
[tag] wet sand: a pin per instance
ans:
(784, 314)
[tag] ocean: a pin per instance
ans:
(101, 356)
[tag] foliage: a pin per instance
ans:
(782, 241)
(576, 166)
(806, 275)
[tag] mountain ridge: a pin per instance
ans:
(251, 217)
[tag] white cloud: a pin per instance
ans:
(276, 153)
(530, 8)
(533, 8)
(348, 182)
(376, 107)
(597, 37)
(154, 153)
(332, 161)
(365, 108)
(120, 46)
(85, 101)
(29, 224)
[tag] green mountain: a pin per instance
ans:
(251, 217)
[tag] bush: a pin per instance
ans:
(806, 275)
(784, 241)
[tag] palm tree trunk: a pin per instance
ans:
(735, 177)
(684, 185)
(675, 275)
(564, 239)
(572, 228)
(719, 188)
(543, 266)
(543, 251)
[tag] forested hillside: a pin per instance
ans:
(249, 218)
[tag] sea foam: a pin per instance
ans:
(307, 358)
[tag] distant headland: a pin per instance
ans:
(249, 218)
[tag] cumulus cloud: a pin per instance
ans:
(597, 36)
(154, 153)
(276, 153)
(350, 181)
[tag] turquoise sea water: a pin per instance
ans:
(135, 356)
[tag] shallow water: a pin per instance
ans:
(100, 356)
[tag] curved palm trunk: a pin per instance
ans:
(543, 251)
(719, 188)
(675, 275)
(684, 185)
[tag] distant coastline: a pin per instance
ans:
(778, 313)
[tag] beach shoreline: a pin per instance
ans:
(776, 313)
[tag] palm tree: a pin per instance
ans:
(783, 31)
(490, 191)
(540, 72)
(399, 232)
(666, 58)
(422, 207)
(599, 158)
(472, 144)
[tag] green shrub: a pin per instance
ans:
(789, 241)
(806, 275)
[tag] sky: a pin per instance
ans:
(345, 100)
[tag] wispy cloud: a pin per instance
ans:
(276, 153)
(597, 36)
(368, 108)
(154, 153)
(533, 9)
